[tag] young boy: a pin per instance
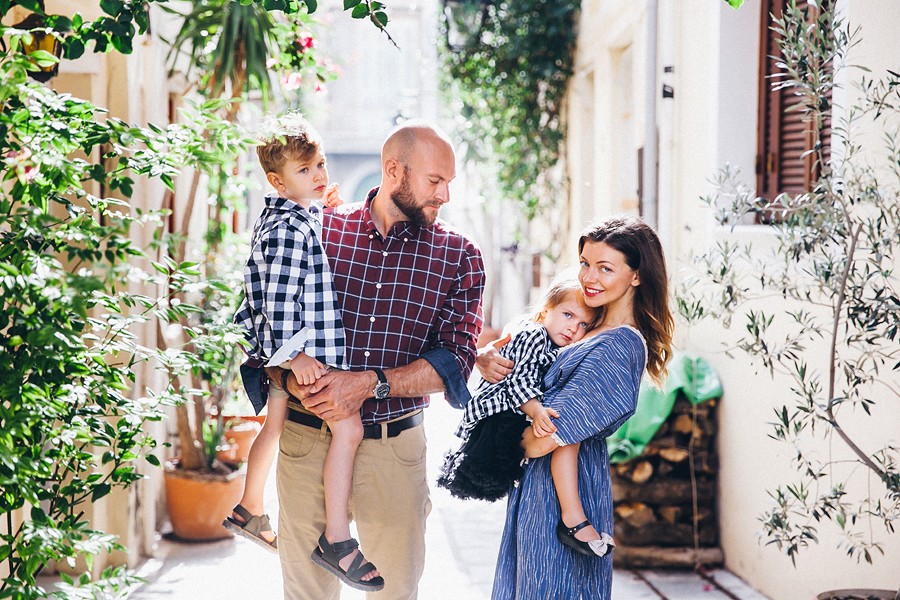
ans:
(292, 320)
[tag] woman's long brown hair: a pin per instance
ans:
(643, 253)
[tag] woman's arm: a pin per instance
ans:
(599, 387)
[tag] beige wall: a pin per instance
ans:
(711, 121)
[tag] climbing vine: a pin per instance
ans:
(508, 65)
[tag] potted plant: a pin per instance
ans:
(248, 44)
(203, 483)
(206, 479)
(833, 271)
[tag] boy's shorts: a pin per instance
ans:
(276, 392)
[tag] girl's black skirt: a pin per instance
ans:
(489, 461)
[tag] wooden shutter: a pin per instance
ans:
(783, 135)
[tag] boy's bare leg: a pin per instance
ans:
(346, 435)
(564, 467)
(259, 460)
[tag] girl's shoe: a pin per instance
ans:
(566, 536)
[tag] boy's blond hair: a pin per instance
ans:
(286, 137)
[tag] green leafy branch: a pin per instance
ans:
(508, 65)
(75, 284)
(832, 268)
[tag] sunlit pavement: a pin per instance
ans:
(462, 541)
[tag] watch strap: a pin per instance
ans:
(382, 378)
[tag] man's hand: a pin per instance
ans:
(339, 394)
(491, 364)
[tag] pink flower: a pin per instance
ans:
(271, 62)
(26, 170)
(18, 156)
(306, 41)
(292, 81)
(319, 88)
(28, 173)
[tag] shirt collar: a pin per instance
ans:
(401, 229)
(276, 202)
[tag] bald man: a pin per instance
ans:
(410, 290)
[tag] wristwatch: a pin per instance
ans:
(382, 388)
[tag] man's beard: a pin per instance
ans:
(405, 200)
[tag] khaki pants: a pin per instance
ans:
(389, 502)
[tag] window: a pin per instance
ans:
(783, 135)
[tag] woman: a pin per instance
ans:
(594, 387)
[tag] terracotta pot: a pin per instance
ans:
(859, 594)
(229, 420)
(227, 453)
(199, 502)
(239, 436)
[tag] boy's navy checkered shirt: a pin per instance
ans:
(290, 305)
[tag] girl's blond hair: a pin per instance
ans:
(558, 292)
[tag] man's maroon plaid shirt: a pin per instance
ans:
(413, 294)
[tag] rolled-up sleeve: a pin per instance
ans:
(453, 349)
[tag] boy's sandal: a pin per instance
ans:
(328, 556)
(251, 528)
(566, 536)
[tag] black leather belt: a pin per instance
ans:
(370, 432)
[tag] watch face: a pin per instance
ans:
(382, 389)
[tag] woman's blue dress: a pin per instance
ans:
(594, 387)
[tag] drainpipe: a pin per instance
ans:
(668, 14)
(649, 175)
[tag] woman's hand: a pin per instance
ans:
(491, 364)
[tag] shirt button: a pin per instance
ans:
(372, 319)
(366, 353)
(405, 239)
(377, 286)
(384, 253)
(371, 237)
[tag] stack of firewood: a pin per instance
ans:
(665, 499)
